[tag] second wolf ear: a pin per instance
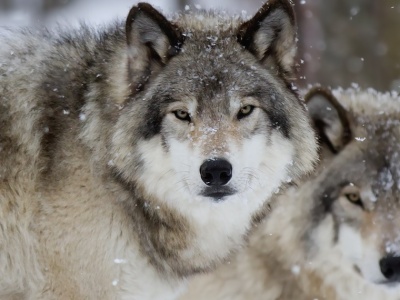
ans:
(330, 119)
(152, 39)
(271, 35)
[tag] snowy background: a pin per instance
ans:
(340, 41)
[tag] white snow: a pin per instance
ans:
(296, 269)
(82, 117)
(120, 261)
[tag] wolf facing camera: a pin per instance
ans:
(135, 156)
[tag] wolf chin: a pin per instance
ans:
(138, 155)
(336, 237)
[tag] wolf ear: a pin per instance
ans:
(271, 34)
(152, 40)
(330, 118)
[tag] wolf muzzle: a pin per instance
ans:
(216, 173)
(390, 268)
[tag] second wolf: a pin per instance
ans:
(337, 237)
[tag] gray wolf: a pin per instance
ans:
(336, 236)
(137, 155)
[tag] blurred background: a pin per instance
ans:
(341, 42)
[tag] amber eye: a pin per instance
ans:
(245, 111)
(352, 193)
(353, 197)
(182, 115)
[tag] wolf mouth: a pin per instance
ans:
(390, 283)
(218, 193)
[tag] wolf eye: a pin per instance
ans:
(182, 115)
(352, 193)
(245, 111)
(353, 197)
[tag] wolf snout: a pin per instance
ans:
(390, 268)
(216, 172)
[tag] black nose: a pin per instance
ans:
(216, 171)
(390, 267)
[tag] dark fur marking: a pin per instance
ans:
(336, 228)
(8, 143)
(138, 86)
(54, 121)
(153, 122)
(279, 121)
(164, 143)
(324, 201)
(275, 110)
(260, 216)
(321, 136)
(161, 233)
(154, 116)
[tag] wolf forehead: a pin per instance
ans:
(211, 54)
(200, 20)
(217, 79)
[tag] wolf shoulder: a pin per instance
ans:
(45, 78)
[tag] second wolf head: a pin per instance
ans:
(357, 192)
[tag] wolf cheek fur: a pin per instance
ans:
(101, 191)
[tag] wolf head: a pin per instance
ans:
(356, 193)
(211, 112)
(208, 126)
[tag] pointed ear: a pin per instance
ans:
(271, 35)
(152, 40)
(330, 119)
(148, 28)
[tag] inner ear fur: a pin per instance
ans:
(330, 118)
(271, 35)
(151, 39)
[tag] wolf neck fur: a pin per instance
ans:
(160, 231)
